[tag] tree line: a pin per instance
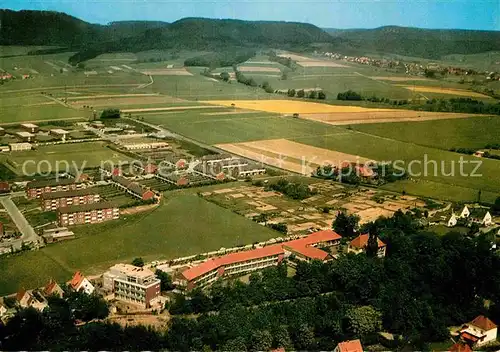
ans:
(220, 59)
(301, 93)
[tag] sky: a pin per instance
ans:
(464, 14)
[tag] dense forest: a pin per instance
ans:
(425, 284)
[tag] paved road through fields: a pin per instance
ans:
(28, 234)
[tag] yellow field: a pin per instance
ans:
(289, 106)
(400, 78)
(451, 91)
(289, 155)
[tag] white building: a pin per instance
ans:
(464, 213)
(4, 149)
(25, 136)
(452, 221)
(133, 284)
(479, 332)
(17, 147)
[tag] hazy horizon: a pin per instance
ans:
(338, 14)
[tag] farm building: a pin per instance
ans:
(87, 214)
(18, 147)
(29, 127)
(35, 189)
(59, 132)
(358, 245)
(57, 235)
(2, 131)
(25, 136)
(244, 262)
(55, 200)
(97, 124)
(132, 284)
(4, 149)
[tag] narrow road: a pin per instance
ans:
(28, 234)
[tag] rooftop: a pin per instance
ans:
(76, 280)
(59, 131)
(350, 346)
(29, 125)
(53, 182)
(25, 134)
(483, 322)
(362, 240)
(73, 193)
(132, 270)
(300, 245)
(86, 207)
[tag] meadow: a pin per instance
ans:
(166, 232)
(46, 158)
(474, 132)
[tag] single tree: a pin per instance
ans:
(139, 262)
(346, 225)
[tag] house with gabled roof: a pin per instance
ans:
(481, 216)
(464, 213)
(479, 332)
(349, 346)
(80, 283)
(53, 289)
(358, 245)
(26, 299)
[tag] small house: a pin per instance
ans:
(481, 216)
(465, 212)
(358, 245)
(53, 289)
(452, 220)
(81, 283)
(29, 127)
(349, 346)
(25, 136)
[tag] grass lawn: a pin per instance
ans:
(80, 154)
(442, 230)
(474, 132)
(11, 114)
(183, 225)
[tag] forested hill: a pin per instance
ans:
(417, 42)
(213, 34)
(60, 29)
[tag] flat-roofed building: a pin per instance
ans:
(55, 200)
(132, 284)
(59, 132)
(87, 214)
(58, 234)
(145, 145)
(30, 127)
(19, 147)
(2, 131)
(25, 136)
(35, 189)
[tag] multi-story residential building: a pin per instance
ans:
(55, 200)
(132, 284)
(87, 214)
(358, 245)
(479, 332)
(259, 258)
(35, 189)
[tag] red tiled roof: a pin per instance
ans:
(483, 322)
(212, 264)
(465, 335)
(350, 346)
(362, 240)
(76, 280)
(4, 186)
(20, 294)
(49, 288)
(458, 347)
(309, 252)
(300, 245)
(364, 171)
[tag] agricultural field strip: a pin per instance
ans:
(171, 108)
(449, 91)
(107, 96)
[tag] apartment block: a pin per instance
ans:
(55, 200)
(132, 284)
(87, 214)
(35, 189)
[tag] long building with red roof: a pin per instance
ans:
(256, 259)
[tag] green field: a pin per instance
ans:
(474, 132)
(46, 158)
(167, 232)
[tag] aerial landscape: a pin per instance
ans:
(234, 177)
